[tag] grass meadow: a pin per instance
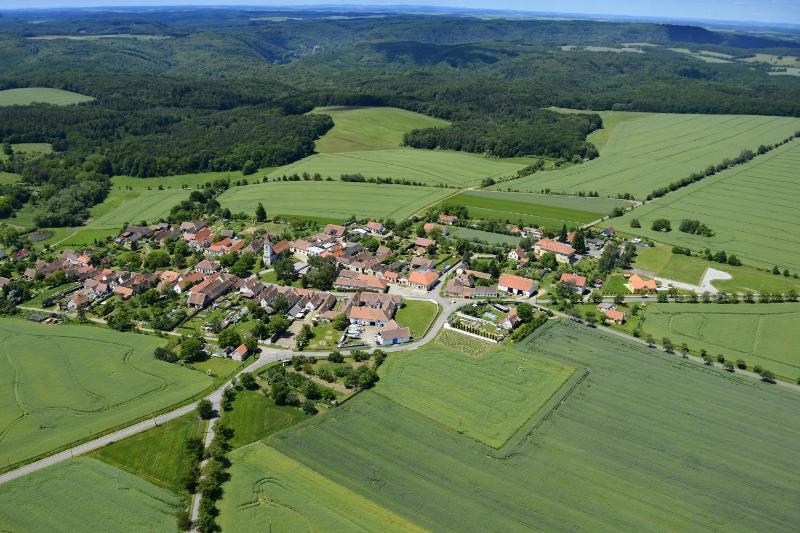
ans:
(332, 200)
(541, 209)
(255, 416)
(485, 236)
(134, 206)
(417, 315)
(651, 151)
(644, 438)
(156, 455)
(85, 495)
(357, 129)
(61, 384)
(761, 334)
(43, 95)
(751, 208)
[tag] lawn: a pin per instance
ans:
(156, 455)
(761, 334)
(645, 438)
(85, 495)
(534, 209)
(325, 337)
(64, 383)
(487, 397)
(255, 416)
(651, 151)
(417, 315)
(267, 487)
(358, 129)
(43, 95)
(218, 366)
(432, 167)
(333, 200)
(751, 208)
(484, 236)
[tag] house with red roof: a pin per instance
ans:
(564, 252)
(516, 285)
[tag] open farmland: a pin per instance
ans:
(370, 128)
(477, 235)
(646, 438)
(751, 208)
(43, 95)
(649, 152)
(140, 205)
(255, 415)
(63, 383)
(541, 209)
(761, 334)
(487, 397)
(432, 167)
(85, 495)
(331, 200)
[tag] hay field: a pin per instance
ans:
(332, 200)
(82, 495)
(432, 167)
(649, 152)
(64, 383)
(133, 207)
(486, 397)
(541, 209)
(35, 95)
(646, 438)
(357, 129)
(752, 209)
(761, 334)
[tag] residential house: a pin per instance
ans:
(564, 252)
(374, 226)
(240, 353)
(372, 309)
(516, 285)
(392, 333)
(463, 285)
(210, 289)
(637, 284)
(512, 320)
(349, 280)
(78, 300)
(430, 226)
(519, 255)
(225, 246)
(422, 244)
(423, 280)
(612, 314)
(207, 266)
(578, 282)
(448, 219)
(335, 230)
(186, 281)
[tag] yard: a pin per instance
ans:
(417, 315)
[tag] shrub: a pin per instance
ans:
(661, 224)
(741, 365)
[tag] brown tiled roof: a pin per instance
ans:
(516, 282)
(554, 246)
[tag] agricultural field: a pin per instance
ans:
(417, 315)
(190, 181)
(432, 167)
(267, 487)
(156, 455)
(41, 95)
(135, 206)
(487, 397)
(85, 494)
(733, 204)
(653, 150)
(540, 209)
(483, 236)
(255, 416)
(639, 441)
(331, 200)
(358, 129)
(761, 334)
(64, 383)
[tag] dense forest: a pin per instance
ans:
(189, 90)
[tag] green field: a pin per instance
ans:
(653, 150)
(752, 209)
(7, 178)
(156, 455)
(645, 438)
(133, 207)
(29, 149)
(488, 397)
(85, 495)
(417, 315)
(331, 200)
(358, 129)
(541, 209)
(432, 167)
(188, 180)
(65, 383)
(255, 416)
(487, 236)
(268, 487)
(761, 334)
(32, 95)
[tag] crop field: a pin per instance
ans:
(541, 209)
(267, 487)
(645, 438)
(761, 334)
(486, 397)
(357, 129)
(255, 416)
(34, 95)
(63, 383)
(332, 200)
(752, 210)
(651, 151)
(485, 236)
(191, 181)
(143, 205)
(432, 167)
(156, 455)
(85, 495)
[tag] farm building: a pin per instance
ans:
(516, 285)
(393, 333)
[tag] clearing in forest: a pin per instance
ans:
(41, 95)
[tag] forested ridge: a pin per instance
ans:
(230, 89)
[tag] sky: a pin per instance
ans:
(781, 11)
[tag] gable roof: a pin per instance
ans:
(556, 247)
(578, 281)
(517, 283)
